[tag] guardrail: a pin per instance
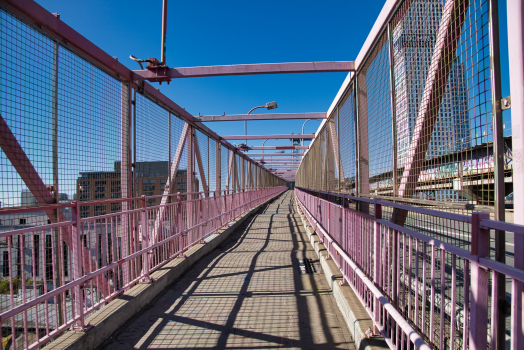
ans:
(57, 287)
(418, 290)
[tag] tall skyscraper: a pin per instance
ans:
(414, 39)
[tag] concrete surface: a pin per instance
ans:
(354, 313)
(107, 320)
(249, 293)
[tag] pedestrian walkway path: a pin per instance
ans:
(250, 293)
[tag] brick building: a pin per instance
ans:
(150, 180)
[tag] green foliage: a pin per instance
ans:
(4, 285)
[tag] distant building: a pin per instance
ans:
(151, 180)
(28, 200)
(414, 39)
(33, 218)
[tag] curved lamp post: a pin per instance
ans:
(263, 143)
(269, 105)
(302, 143)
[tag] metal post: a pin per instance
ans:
(76, 262)
(169, 138)
(190, 162)
(200, 217)
(516, 69)
(393, 108)
(180, 225)
(56, 198)
(243, 171)
(339, 159)
(208, 178)
(499, 328)
(480, 243)
(190, 177)
(357, 138)
(134, 187)
(125, 169)
(363, 141)
(377, 263)
(218, 168)
(164, 32)
(145, 240)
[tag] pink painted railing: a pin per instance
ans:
(419, 291)
(109, 254)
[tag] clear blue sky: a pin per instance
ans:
(232, 32)
(204, 33)
(215, 33)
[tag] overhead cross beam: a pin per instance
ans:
(260, 148)
(268, 159)
(274, 155)
(267, 116)
(273, 137)
(162, 73)
(294, 161)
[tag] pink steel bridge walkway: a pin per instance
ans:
(249, 293)
(422, 95)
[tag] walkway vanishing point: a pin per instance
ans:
(249, 293)
(414, 183)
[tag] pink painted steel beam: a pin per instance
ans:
(515, 15)
(268, 159)
(260, 148)
(36, 14)
(25, 169)
(267, 116)
(444, 52)
(272, 137)
(274, 155)
(53, 25)
(245, 69)
(19, 160)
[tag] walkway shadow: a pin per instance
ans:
(189, 286)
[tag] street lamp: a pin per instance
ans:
(263, 143)
(302, 143)
(269, 105)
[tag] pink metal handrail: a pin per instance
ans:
(18, 210)
(415, 338)
(106, 281)
(369, 270)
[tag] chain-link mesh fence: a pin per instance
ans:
(424, 114)
(73, 129)
(415, 126)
